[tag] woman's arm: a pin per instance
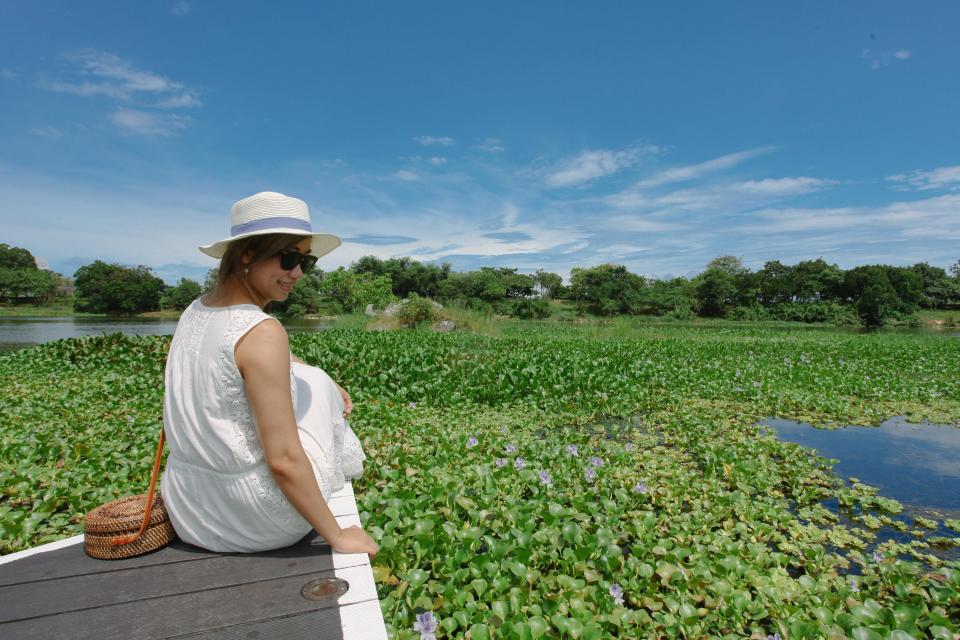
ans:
(263, 357)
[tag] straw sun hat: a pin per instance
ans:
(269, 212)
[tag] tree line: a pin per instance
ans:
(809, 291)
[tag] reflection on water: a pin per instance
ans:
(915, 464)
(18, 333)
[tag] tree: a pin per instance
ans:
(354, 291)
(113, 289)
(729, 264)
(716, 289)
(181, 295)
(607, 289)
(666, 296)
(547, 283)
(16, 258)
(22, 284)
(210, 280)
(937, 288)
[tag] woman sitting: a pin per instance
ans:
(258, 440)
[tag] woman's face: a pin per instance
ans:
(270, 281)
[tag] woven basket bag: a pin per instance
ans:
(129, 526)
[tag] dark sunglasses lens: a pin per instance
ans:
(290, 259)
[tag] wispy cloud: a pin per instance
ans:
(592, 164)
(8, 74)
(405, 175)
(880, 59)
(436, 161)
(443, 141)
(939, 178)
(144, 123)
(52, 133)
(181, 8)
(696, 171)
(782, 186)
(99, 73)
(491, 145)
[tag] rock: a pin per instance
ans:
(444, 326)
(391, 309)
(369, 311)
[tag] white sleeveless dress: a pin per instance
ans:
(216, 486)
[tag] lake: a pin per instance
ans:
(21, 332)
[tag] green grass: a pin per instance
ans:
(710, 528)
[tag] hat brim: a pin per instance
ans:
(320, 243)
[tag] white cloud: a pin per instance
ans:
(144, 123)
(182, 8)
(880, 59)
(592, 164)
(405, 175)
(105, 74)
(782, 186)
(47, 132)
(695, 171)
(939, 178)
(8, 74)
(491, 145)
(443, 141)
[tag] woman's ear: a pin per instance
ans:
(247, 257)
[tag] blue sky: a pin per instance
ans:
(533, 134)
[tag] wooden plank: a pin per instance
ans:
(48, 597)
(76, 562)
(190, 613)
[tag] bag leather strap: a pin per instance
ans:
(153, 484)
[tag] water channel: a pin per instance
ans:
(21, 332)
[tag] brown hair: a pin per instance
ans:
(263, 247)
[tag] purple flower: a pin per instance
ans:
(617, 592)
(589, 474)
(853, 584)
(573, 450)
(472, 442)
(426, 624)
(501, 462)
(129, 418)
(545, 477)
(596, 462)
(519, 463)
(628, 446)
(510, 449)
(640, 488)
(877, 556)
(412, 405)
(775, 636)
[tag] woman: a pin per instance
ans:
(258, 440)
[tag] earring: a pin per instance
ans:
(246, 270)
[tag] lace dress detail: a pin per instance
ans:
(217, 488)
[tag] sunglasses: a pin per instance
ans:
(290, 258)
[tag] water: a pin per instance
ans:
(912, 463)
(21, 332)
(916, 464)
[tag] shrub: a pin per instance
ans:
(415, 310)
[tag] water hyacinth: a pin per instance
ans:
(877, 556)
(775, 636)
(510, 449)
(596, 462)
(640, 488)
(545, 477)
(573, 450)
(426, 624)
(589, 474)
(519, 463)
(472, 442)
(853, 584)
(616, 591)
(501, 462)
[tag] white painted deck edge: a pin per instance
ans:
(360, 613)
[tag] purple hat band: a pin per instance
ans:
(271, 223)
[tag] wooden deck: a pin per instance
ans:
(57, 591)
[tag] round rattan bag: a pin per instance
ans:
(129, 526)
(110, 531)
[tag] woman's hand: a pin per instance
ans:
(347, 402)
(353, 539)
